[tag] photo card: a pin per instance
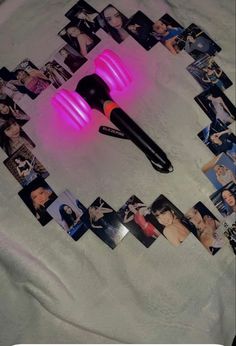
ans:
(224, 199)
(55, 73)
(207, 226)
(25, 167)
(140, 27)
(83, 13)
(31, 80)
(230, 230)
(167, 30)
(219, 139)
(216, 105)
(207, 73)
(69, 58)
(66, 210)
(137, 217)
(37, 196)
(221, 170)
(12, 137)
(104, 222)
(170, 221)
(196, 42)
(113, 22)
(10, 86)
(8, 108)
(78, 37)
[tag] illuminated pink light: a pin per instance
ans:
(71, 105)
(111, 69)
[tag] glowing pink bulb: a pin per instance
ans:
(70, 104)
(111, 69)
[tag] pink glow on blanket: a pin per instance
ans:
(111, 69)
(72, 107)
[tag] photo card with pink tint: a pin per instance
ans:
(69, 58)
(8, 108)
(57, 74)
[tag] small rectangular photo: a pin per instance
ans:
(220, 171)
(69, 58)
(196, 42)
(112, 21)
(224, 199)
(8, 108)
(31, 80)
(207, 226)
(219, 139)
(25, 167)
(104, 222)
(137, 217)
(67, 210)
(83, 13)
(37, 196)
(55, 73)
(12, 137)
(10, 86)
(230, 232)
(216, 105)
(170, 221)
(207, 73)
(78, 37)
(167, 30)
(140, 27)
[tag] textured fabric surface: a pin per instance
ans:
(55, 290)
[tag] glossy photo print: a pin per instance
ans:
(69, 58)
(220, 171)
(25, 167)
(140, 27)
(207, 73)
(10, 86)
(55, 73)
(230, 230)
(9, 109)
(66, 210)
(37, 196)
(216, 105)
(112, 21)
(135, 215)
(196, 42)
(83, 13)
(170, 221)
(104, 222)
(207, 226)
(225, 199)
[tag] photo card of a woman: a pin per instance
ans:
(25, 167)
(37, 196)
(57, 74)
(224, 199)
(170, 221)
(8, 108)
(137, 217)
(67, 211)
(207, 226)
(104, 222)
(69, 58)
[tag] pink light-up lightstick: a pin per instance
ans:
(94, 91)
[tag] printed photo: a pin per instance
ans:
(104, 222)
(225, 199)
(112, 21)
(220, 171)
(55, 73)
(219, 139)
(31, 80)
(136, 216)
(170, 221)
(25, 167)
(10, 86)
(8, 108)
(207, 227)
(69, 58)
(66, 210)
(12, 137)
(166, 30)
(230, 230)
(83, 13)
(196, 42)
(216, 105)
(37, 196)
(78, 37)
(139, 26)
(207, 73)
